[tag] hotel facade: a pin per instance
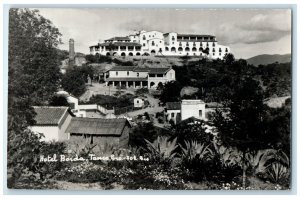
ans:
(155, 43)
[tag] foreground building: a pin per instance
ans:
(57, 124)
(52, 122)
(136, 77)
(98, 131)
(145, 43)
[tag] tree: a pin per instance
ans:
(228, 59)
(73, 81)
(241, 126)
(58, 101)
(33, 79)
(171, 92)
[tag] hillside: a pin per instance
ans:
(269, 59)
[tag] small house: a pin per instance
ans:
(52, 122)
(172, 111)
(100, 131)
(138, 102)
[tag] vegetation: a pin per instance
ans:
(75, 79)
(33, 79)
(111, 102)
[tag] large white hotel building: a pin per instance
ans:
(157, 43)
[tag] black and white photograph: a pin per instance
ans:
(149, 98)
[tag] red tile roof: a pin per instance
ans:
(49, 115)
(97, 126)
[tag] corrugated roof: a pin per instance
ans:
(173, 105)
(49, 115)
(97, 126)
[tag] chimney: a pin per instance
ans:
(71, 49)
(71, 52)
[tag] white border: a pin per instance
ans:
(178, 195)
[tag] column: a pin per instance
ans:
(120, 83)
(126, 84)
(141, 83)
(133, 84)
(113, 84)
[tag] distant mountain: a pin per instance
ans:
(269, 59)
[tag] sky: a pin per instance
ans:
(248, 32)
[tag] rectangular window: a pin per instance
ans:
(160, 75)
(151, 75)
(116, 73)
(200, 113)
(172, 114)
(127, 73)
(137, 74)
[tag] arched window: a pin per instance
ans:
(123, 54)
(173, 49)
(194, 49)
(187, 49)
(220, 50)
(173, 38)
(144, 37)
(226, 50)
(180, 49)
(180, 44)
(130, 54)
(153, 44)
(201, 49)
(167, 49)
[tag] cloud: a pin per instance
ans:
(260, 28)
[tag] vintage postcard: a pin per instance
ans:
(149, 99)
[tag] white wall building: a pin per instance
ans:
(138, 102)
(52, 122)
(192, 108)
(157, 43)
(136, 77)
(179, 111)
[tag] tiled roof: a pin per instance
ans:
(158, 70)
(122, 68)
(118, 38)
(139, 69)
(49, 115)
(194, 35)
(173, 105)
(97, 126)
(128, 79)
(120, 44)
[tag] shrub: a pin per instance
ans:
(162, 150)
(278, 173)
